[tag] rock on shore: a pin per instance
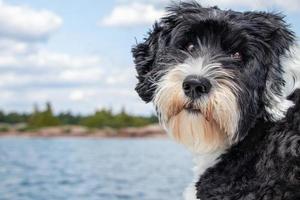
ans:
(79, 131)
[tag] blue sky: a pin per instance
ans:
(76, 53)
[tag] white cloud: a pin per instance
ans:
(50, 67)
(119, 77)
(134, 14)
(44, 58)
(82, 75)
(9, 46)
(10, 78)
(47, 60)
(77, 95)
(285, 5)
(130, 13)
(288, 5)
(31, 73)
(67, 80)
(25, 23)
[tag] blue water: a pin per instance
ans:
(90, 169)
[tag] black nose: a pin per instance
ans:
(194, 87)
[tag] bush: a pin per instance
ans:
(4, 128)
(105, 118)
(68, 118)
(13, 117)
(100, 119)
(23, 129)
(43, 118)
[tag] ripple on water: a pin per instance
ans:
(108, 169)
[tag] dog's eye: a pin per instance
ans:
(190, 47)
(236, 56)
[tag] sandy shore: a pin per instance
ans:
(79, 131)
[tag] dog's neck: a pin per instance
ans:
(202, 161)
(205, 161)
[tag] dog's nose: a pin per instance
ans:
(194, 87)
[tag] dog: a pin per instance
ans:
(225, 85)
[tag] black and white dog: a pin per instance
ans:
(224, 84)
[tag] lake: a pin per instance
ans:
(92, 169)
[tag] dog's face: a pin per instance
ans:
(211, 73)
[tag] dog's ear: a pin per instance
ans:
(144, 55)
(272, 29)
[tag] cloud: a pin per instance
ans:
(69, 81)
(78, 95)
(44, 58)
(134, 14)
(86, 75)
(45, 66)
(25, 23)
(288, 5)
(285, 5)
(31, 73)
(9, 46)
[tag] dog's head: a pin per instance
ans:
(211, 73)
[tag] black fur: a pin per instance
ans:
(265, 163)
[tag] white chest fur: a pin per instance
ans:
(203, 162)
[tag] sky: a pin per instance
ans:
(76, 53)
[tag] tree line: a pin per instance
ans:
(99, 119)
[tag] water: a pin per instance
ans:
(90, 169)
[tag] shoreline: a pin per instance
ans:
(151, 131)
(2, 136)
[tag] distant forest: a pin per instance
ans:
(99, 119)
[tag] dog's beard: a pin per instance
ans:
(206, 124)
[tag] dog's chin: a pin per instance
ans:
(191, 128)
(193, 111)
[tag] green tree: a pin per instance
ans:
(99, 119)
(105, 118)
(2, 116)
(69, 118)
(14, 117)
(44, 118)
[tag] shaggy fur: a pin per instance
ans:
(243, 122)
